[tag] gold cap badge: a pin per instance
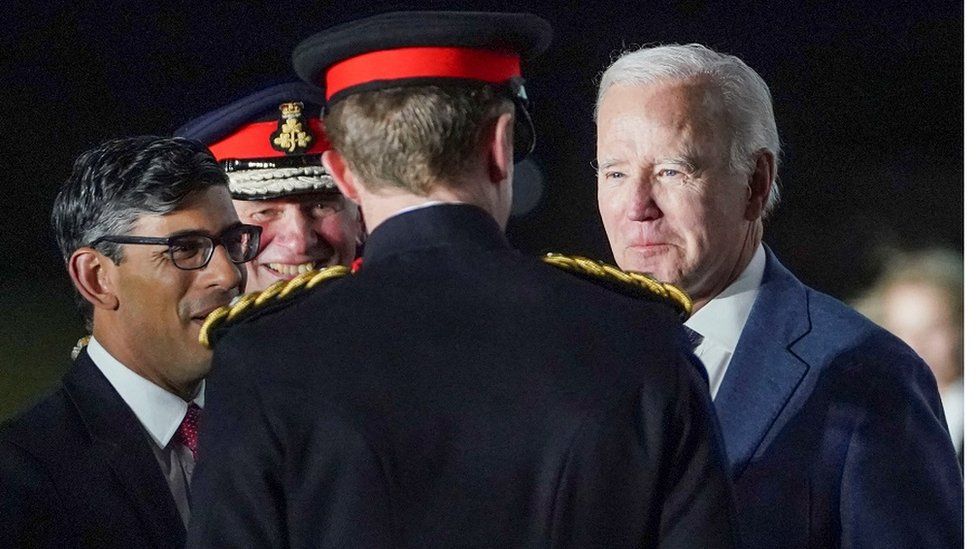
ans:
(291, 136)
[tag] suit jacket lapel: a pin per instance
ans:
(117, 434)
(763, 373)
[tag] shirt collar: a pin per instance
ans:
(424, 205)
(722, 319)
(159, 411)
(455, 226)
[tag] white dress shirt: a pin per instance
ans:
(952, 404)
(160, 412)
(721, 321)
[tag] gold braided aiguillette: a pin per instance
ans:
(254, 301)
(603, 271)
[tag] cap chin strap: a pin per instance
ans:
(242, 164)
(524, 141)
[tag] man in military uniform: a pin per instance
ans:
(270, 143)
(452, 392)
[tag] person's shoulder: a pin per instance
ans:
(848, 340)
(44, 428)
(830, 317)
(599, 278)
(256, 311)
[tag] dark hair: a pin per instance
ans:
(117, 182)
(412, 137)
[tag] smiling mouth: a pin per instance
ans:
(292, 269)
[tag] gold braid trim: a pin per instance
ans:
(608, 273)
(82, 343)
(255, 301)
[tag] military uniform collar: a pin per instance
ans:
(440, 225)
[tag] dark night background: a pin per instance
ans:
(868, 99)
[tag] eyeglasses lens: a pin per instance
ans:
(191, 251)
(194, 251)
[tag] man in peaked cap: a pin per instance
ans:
(453, 392)
(270, 144)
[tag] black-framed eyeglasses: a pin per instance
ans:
(191, 251)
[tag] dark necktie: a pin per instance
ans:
(694, 338)
(186, 434)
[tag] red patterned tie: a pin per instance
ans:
(187, 432)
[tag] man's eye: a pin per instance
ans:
(188, 248)
(669, 173)
(262, 215)
(613, 175)
(320, 209)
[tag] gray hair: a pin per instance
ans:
(746, 97)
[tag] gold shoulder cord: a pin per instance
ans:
(275, 293)
(600, 270)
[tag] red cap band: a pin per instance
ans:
(425, 62)
(254, 141)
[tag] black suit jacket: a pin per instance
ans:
(77, 470)
(455, 393)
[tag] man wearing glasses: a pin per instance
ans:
(270, 143)
(152, 244)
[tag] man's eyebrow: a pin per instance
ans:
(195, 232)
(685, 161)
(608, 163)
(312, 199)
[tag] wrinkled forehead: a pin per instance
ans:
(697, 99)
(691, 108)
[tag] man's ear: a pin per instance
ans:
(91, 273)
(760, 184)
(502, 136)
(343, 176)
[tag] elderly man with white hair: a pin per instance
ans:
(833, 428)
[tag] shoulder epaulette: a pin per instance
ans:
(247, 305)
(628, 282)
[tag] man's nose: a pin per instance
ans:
(642, 201)
(295, 233)
(224, 272)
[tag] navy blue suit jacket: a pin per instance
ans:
(77, 470)
(456, 393)
(834, 429)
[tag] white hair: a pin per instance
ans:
(745, 95)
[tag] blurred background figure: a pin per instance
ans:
(919, 298)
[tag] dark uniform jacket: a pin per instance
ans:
(834, 429)
(77, 471)
(455, 393)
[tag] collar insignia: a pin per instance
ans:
(292, 135)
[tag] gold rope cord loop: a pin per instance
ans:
(254, 301)
(296, 282)
(328, 273)
(270, 292)
(240, 305)
(603, 271)
(81, 344)
(215, 317)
